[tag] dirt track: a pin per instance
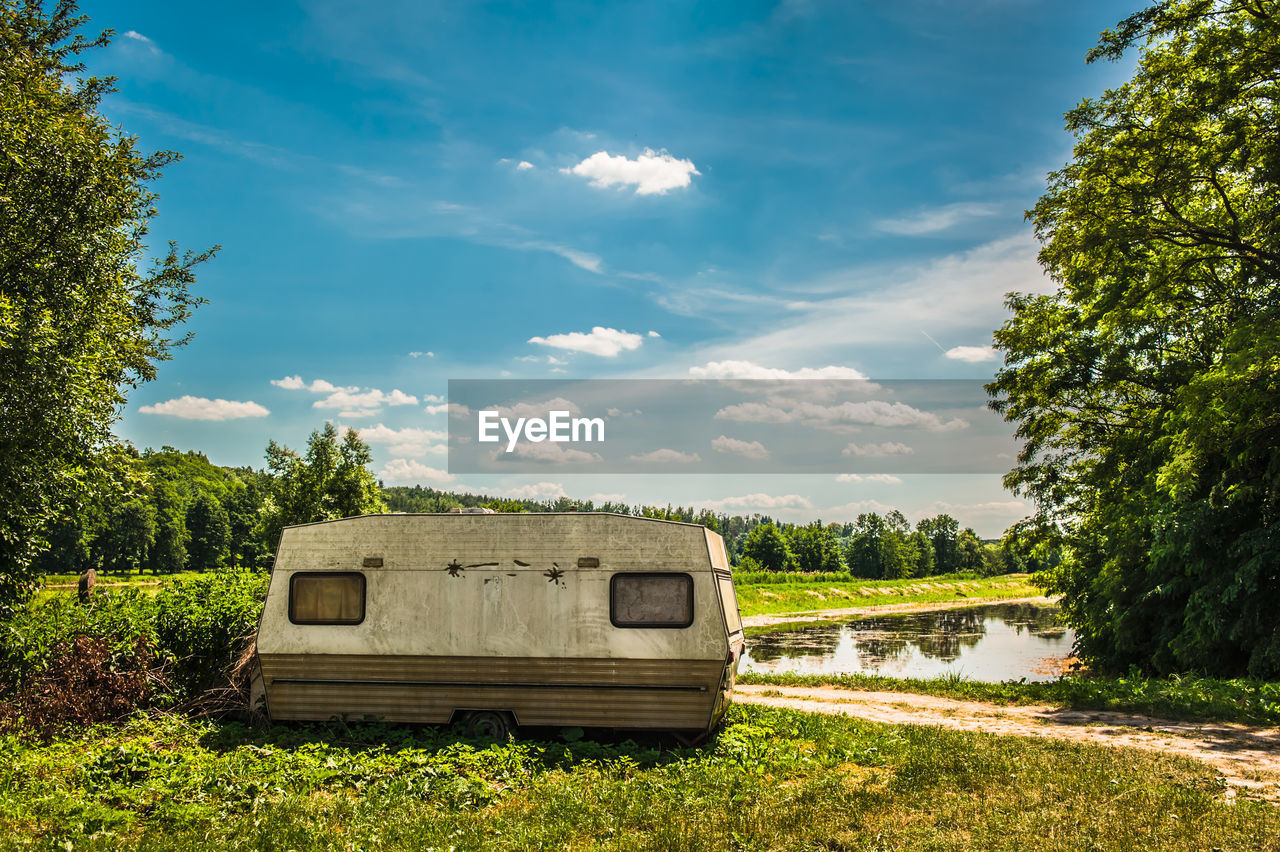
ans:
(1248, 758)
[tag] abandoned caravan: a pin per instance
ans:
(501, 620)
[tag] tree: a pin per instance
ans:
(125, 543)
(79, 323)
(942, 532)
(1146, 389)
(864, 554)
(331, 481)
(970, 550)
(768, 548)
(814, 548)
(210, 529)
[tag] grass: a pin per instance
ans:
(820, 593)
(53, 585)
(770, 779)
(1175, 697)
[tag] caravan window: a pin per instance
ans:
(326, 598)
(651, 600)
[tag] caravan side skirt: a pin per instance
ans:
(587, 692)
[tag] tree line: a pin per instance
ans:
(184, 513)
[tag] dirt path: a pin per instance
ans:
(1247, 757)
(881, 609)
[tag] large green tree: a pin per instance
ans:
(331, 481)
(1147, 387)
(80, 322)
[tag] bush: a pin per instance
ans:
(188, 636)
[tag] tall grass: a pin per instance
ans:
(770, 779)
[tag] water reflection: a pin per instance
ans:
(991, 642)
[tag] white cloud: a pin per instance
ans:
(935, 219)
(608, 498)
(751, 370)
(523, 166)
(666, 456)
(422, 354)
(137, 36)
(199, 408)
(548, 453)
(365, 403)
(536, 491)
(407, 441)
(653, 333)
(885, 478)
(971, 354)
(761, 501)
(747, 449)
(877, 451)
(538, 409)
(845, 416)
(652, 173)
(409, 472)
(318, 386)
(350, 401)
(605, 342)
(432, 397)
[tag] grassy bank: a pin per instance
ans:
(819, 593)
(1176, 697)
(771, 779)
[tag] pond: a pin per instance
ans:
(992, 642)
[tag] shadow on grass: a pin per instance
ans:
(563, 747)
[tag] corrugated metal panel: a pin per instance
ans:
(673, 694)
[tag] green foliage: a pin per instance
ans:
(814, 548)
(768, 549)
(769, 779)
(1147, 388)
(331, 481)
(79, 322)
(209, 526)
(195, 627)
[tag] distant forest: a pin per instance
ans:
(180, 512)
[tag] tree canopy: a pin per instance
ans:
(1147, 387)
(80, 322)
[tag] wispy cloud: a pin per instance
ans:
(882, 478)
(666, 456)
(760, 502)
(752, 370)
(936, 219)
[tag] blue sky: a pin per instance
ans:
(409, 193)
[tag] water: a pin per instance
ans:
(992, 642)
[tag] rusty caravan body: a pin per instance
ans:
(576, 619)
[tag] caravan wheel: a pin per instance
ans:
(489, 724)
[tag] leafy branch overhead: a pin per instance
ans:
(1147, 388)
